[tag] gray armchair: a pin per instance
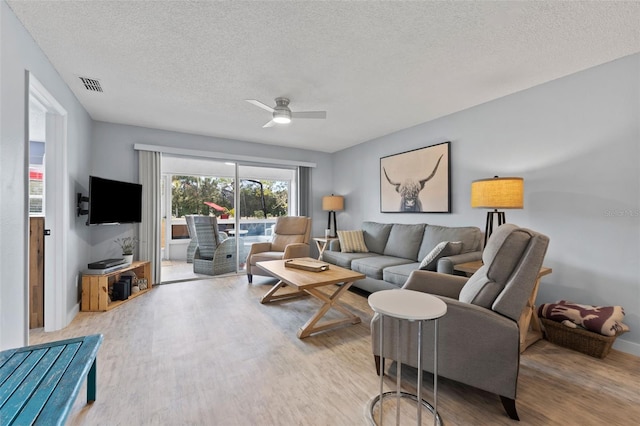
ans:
(291, 236)
(215, 254)
(479, 339)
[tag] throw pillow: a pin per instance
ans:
(352, 242)
(443, 249)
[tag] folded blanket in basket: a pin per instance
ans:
(606, 320)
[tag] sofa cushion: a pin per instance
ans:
(343, 259)
(443, 249)
(352, 242)
(399, 274)
(376, 235)
(373, 266)
(404, 241)
(470, 236)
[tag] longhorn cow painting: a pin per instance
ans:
(416, 181)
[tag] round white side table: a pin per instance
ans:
(411, 306)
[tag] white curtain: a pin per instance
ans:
(304, 190)
(149, 162)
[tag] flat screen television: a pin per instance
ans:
(114, 202)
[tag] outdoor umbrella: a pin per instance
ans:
(214, 206)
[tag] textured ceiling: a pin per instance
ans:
(375, 67)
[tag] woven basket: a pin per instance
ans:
(578, 339)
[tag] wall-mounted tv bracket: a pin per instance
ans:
(80, 200)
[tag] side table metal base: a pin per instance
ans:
(373, 401)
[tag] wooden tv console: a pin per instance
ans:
(95, 288)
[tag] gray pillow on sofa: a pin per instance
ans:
(376, 235)
(443, 249)
(404, 241)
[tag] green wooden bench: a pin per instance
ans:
(40, 383)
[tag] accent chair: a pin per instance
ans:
(290, 239)
(215, 254)
(479, 337)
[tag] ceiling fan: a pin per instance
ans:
(282, 114)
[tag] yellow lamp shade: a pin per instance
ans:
(333, 203)
(498, 193)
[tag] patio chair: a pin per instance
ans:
(193, 244)
(215, 254)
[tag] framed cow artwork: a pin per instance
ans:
(417, 181)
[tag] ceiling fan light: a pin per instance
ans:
(281, 115)
(282, 119)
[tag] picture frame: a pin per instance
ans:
(416, 181)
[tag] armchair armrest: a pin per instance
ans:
(436, 283)
(295, 250)
(446, 264)
(225, 249)
(259, 248)
(224, 259)
(473, 327)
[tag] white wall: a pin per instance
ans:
(575, 141)
(113, 157)
(18, 53)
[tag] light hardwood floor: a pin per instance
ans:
(208, 353)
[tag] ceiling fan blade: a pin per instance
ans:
(309, 114)
(270, 124)
(259, 104)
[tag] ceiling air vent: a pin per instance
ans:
(91, 84)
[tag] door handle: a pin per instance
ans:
(47, 232)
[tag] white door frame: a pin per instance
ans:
(56, 208)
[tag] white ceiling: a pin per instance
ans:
(375, 67)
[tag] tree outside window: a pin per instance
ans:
(189, 194)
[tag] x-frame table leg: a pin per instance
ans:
(331, 301)
(271, 295)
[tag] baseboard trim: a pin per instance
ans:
(627, 346)
(72, 314)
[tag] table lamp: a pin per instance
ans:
(332, 203)
(497, 193)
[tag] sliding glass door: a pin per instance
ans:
(199, 186)
(264, 194)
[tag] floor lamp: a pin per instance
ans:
(332, 203)
(497, 193)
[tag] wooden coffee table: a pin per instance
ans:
(307, 282)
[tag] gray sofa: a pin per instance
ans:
(395, 250)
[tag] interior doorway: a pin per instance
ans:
(48, 197)
(37, 199)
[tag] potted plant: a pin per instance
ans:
(127, 245)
